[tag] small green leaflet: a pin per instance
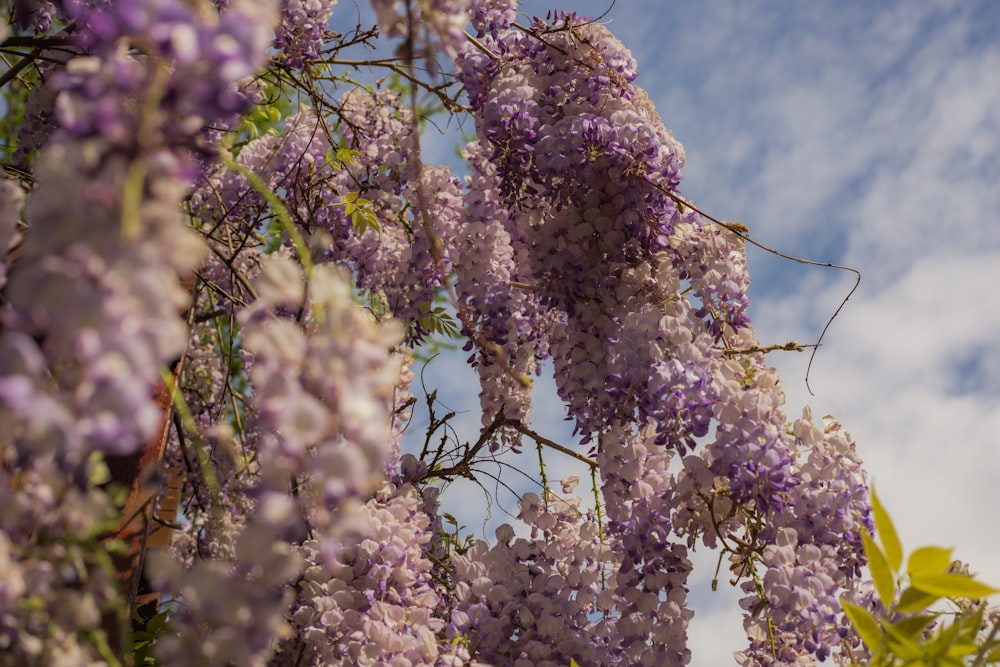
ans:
(343, 156)
(359, 210)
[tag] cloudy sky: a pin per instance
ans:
(858, 133)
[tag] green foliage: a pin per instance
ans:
(263, 118)
(361, 213)
(453, 539)
(435, 320)
(906, 630)
(144, 640)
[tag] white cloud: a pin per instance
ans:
(893, 374)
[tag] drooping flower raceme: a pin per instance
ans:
(493, 284)
(372, 601)
(491, 16)
(538, 600)
(650, 335)
(110, 286)
(584, 169)
(650, 581)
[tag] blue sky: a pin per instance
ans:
(857, 133)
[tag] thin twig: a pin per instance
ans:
(790, 346)
(19, 66)
(744, 233)
(542, 440)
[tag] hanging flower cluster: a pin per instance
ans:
(574, 196)
(161, 227)
(584, 172)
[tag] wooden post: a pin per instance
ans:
(142, 475)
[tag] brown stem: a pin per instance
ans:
(19, 66)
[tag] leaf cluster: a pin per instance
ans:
(144, 639)
(905, 627)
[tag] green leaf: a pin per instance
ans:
(865, 624)
(117, 547)
(941, 643)
(359, 210)
(945, 661)
(159, 621)
(913, 600)
(345, 156)
(952, 586)
(961, 649)
(351, 202)
(900, 643)
(911, 626)
(970, 625)
(929, 560)
(365, 218)
(887, 534)
(572, 663)
(881, 573)
(97, 469)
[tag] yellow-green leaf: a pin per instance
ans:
(961, 649)
(929, 560)
(911, 626)
(117, 547)
(345, 156)
(952, 586)
(940, 644)
(364, 218)
(900, 643)
(881, 573)
(945, 661)
(887, 534)
(864, 623)
(913, 600)
(97, 469)
(349, 201)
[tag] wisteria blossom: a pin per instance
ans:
(223, 264)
